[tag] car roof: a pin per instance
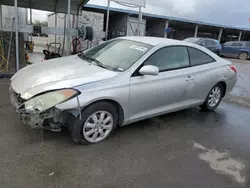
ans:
(194, 38)
(201, 38)
(154, 41)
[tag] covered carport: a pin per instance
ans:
(181, 30)
(58, 6)
(168, 27)
(155, 26)
(231, 34)
(121, 22)
(117, 19)
(208, 31)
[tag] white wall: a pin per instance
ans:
(96, 20)
(8, 12)
(60, 24)
(132, 27)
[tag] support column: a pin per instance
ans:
(55, 27)
(68, 29)
(17, 39)
(107, 22)
(1, 15)
(243, 35)
(31, 22)
(196, 30)
(220, 34)
(139, 21)
(166, 27)
(239, 38)
(1, 24)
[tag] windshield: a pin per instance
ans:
(192, 40)
(117, 55)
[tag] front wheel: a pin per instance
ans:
(98, 121)
(214, 98)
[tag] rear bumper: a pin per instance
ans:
(230, 83)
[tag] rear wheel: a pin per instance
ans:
(98, 121)
(243, 56)
(214, 98)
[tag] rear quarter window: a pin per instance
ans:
(248, 45)
(198, 57)
(237, 44)
(228, 44)
(216, 42)
(209, 42)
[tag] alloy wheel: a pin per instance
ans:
(243, 56)
(98, 126)
(214, 96)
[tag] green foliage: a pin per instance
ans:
(40, 23)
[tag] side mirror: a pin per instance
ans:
(149, 70)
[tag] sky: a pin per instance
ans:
(226, 12)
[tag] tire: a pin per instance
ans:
(98, 122)
(243, 56)
(214, 98)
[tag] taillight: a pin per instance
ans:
(233, 68)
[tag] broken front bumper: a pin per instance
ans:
(51, 119)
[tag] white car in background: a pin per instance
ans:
(118, 82)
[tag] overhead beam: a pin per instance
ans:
(48, 30)
(47, 5)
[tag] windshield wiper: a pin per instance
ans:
(100, 64)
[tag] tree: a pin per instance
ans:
(40, 23)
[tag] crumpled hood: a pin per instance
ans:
(58, 73)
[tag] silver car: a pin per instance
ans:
(119, 82)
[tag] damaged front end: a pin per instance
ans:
(51, 119)
(40, 111)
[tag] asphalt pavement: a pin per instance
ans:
(186, 149)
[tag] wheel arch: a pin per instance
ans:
(244, 51)
(117, 105)
(224, 87)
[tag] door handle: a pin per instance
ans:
(189, 78)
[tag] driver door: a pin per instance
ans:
(152, 95)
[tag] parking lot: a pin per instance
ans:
(190, 149)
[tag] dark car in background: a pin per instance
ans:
(211, 44)
(44, 35)
(236, 49)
